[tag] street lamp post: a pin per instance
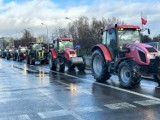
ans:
(74, 27)
(47, 34)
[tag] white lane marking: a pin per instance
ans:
(20, 117)
(8, 100)
(122, 105)
(51, 114)
(147, 102)
(23, 117)
(63, 106)
(88, 109)
(80, 90)
(116, 88)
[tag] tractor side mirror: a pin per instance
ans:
(116, 25)
(149, 32)
(102, 30)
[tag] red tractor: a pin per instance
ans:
(122, 52)
(63, 54)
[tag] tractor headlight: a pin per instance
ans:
(151, 56)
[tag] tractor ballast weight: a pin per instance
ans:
(63, 55)
(122, 52)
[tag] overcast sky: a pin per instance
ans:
(17, 15)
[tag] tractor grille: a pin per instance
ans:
(72, 52)
(151, 49)
(142, 56)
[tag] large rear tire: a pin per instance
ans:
(99, 67)
(60, 66)
(52, 65)
(129, 75)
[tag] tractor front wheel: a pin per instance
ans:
(82, 66)
(128, 76)
(32, 62)
(99, 67)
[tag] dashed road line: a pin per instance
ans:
(121, 105)
(51, 114)
(19, 117)
(147, 102)
(60, 113)
(88, 109)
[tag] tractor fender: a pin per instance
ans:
(54, 54)
(104, 50)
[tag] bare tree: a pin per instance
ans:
(145, 38)
(156, 38)
(26, 38)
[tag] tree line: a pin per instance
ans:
(85, 32)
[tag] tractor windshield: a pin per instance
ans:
(65, 44)
(22, 49)
(129, 36)
(37, 47)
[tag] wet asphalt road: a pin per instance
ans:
(36, 93)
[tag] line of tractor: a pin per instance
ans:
(121, 52)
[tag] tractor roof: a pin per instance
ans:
(123, 26)
(30, 43)
(64, 39)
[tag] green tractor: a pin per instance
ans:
(37, 52)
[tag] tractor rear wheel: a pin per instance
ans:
(71, 67)
(60, 66)
(129, 75)
(14, 57)
(52, 65)
(99, 67)
(8, 57)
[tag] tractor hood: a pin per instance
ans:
(142, 47)
(69, 53)
(141, 53)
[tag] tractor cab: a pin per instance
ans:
(117, 37)
(123, 53)
(63, 54)
(60, 44)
